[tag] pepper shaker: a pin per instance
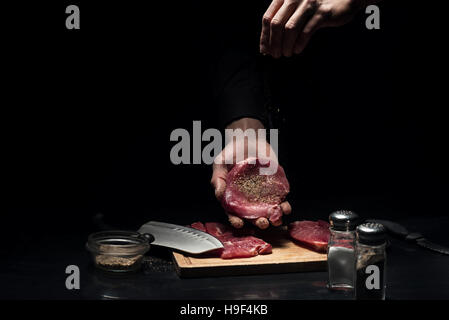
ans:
(341, 250)
(370, 280)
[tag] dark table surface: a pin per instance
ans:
(37, 271)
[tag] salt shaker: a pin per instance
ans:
(370, 265)
(340, 253)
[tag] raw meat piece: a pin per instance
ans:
(312, 234)
(235, 246)
(251, 195)
(198, 226)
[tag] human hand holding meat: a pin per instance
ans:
(288, 25)
(261, 214)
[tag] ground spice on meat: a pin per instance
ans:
(254, 187)
(251, 194)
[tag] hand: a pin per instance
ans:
(227, 159)
(288, 25)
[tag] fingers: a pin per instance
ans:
(286, 208)
(261, 223)
(218, 180)
(303, 39)
(266, 25)
(277, 26)
(236, 222)
(288, 25)
(294, 26)
(275, 216)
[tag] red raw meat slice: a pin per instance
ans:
(199, 226)
(235, 246)
(251, 195)
(244, 247)
(312, 234)
(218, 230)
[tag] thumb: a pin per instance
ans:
(218, 180)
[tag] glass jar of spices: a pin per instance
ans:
(371, 259)
(340, 253)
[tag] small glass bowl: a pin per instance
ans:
(118, 251)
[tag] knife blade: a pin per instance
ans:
(423, 242)
(180, 237)
(397, 229)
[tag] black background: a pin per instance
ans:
(87, 114)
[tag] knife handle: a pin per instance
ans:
(413, 236)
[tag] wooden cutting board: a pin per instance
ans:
(287, 256)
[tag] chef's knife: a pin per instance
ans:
(179, 237)
(418, 238)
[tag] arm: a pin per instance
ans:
(239, 89)
(240, 98)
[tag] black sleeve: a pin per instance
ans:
(238, 79)
(239, 87)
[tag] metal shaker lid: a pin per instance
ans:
(343, 220)
(371, 233)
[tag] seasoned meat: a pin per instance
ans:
(251, 195)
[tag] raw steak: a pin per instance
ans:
(235, 245)
(251, 195)
(312, 234)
